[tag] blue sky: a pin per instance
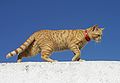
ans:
(20, 18)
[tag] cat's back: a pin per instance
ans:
(56, 34)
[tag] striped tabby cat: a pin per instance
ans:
(48, 41)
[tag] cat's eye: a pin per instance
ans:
(99, 35)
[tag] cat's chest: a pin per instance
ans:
(81, 44)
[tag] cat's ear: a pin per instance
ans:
(95, 27)
(102, 29)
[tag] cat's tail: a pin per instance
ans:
(22, 47)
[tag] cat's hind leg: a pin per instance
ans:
(21, 55)
(19, 58)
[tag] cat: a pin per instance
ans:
(48, 41)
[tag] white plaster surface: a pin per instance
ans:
(61, 72)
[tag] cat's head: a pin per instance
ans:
(96, 33)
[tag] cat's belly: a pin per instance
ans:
(60, 47)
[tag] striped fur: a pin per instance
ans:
(48, 41)
(22, 47)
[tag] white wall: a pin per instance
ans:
(60, 72)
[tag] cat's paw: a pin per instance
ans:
(81, 60)
(55, 61)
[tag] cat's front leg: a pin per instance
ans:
(76, 52)
(81, 60)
